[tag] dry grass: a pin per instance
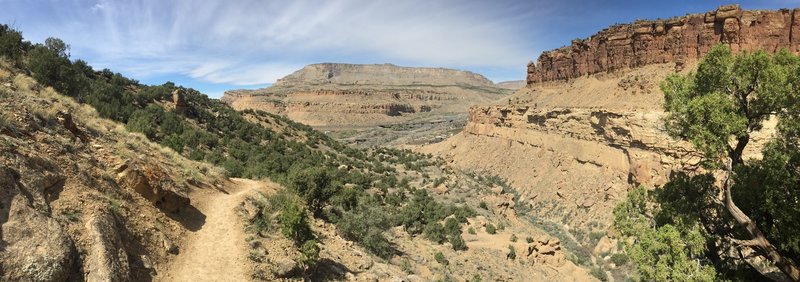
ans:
(25, 83)
(47, 102)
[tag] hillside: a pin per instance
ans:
(357, 100)
(110, 179)
(579, 137)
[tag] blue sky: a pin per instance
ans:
(215, 45)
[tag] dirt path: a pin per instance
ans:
(217, 251)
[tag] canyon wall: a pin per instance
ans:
(679, 40)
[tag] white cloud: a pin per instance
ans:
(254, 42)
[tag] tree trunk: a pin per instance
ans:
(758, 240)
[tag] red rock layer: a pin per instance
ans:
(679, 40)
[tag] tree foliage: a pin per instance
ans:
(670, 250)
(755, 203)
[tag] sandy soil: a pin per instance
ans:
(217, 251)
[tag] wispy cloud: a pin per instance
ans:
(254, 42)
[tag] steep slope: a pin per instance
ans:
(573, 148)
(342, 97)
(83, 198)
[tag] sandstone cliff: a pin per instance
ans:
(680, 40)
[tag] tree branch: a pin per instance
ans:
(758, 241)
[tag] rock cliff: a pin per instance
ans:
(335, 95)
(680, 40)
(379, 74)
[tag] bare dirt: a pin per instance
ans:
(217, 251)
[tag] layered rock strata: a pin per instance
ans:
(680, 39)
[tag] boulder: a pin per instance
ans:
(35, 247)
(284, 267)
(107, 259)
(152, 183)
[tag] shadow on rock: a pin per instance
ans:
(190, 217)
(328, 270)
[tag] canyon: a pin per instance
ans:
(588, 127)
(361, 103)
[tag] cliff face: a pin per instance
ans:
(343, 95)
(383, 74)
(679, 40)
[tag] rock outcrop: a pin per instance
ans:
(152, 183)
(680, 40)
(33, 246)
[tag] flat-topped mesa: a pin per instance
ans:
(679, 40)
(380, 74)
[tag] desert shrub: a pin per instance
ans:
(512, 253)
(309, 253)
(513, 238)
(11, 44)
(619, 259)
(490, 228)
(483, 205)
(595, 237)
(529, 239)
(316, 185)
(366, 227)
(294, 224)
(599, 273)
(439, 257)
(435, 232)
(471, 230)
(458, 243)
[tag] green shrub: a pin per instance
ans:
(529, 239)
(599, 273)
(439, 257)
(435, 232)
(309, 253)
(294, 224)
(595, 237)
(11, 44)
(512, 253)
(365, 226)
(513, 238)
(619, 259)
(483, 205)
(316, 185)
(471, 230)
(458, 243)
(490, 228)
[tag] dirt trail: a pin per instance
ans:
(217, 251)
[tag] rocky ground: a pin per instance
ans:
(82, 198)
